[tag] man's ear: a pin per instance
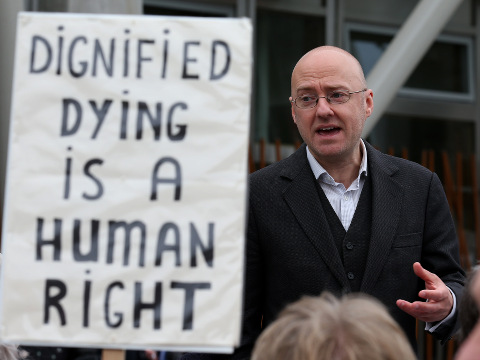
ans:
(369, 100)
(293, 110)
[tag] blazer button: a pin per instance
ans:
(349, 245)
(351, 276)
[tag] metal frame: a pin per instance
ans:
(295, 7)
(225, 10)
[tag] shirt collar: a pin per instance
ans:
(318, 169)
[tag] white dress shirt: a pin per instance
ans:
(343, 201)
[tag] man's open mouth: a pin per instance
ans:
(328, 130)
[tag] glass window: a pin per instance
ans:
(417, 134)
(445, 72)
(281, 39)
(448, 59)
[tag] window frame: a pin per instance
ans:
(417, 93)
(214, 9)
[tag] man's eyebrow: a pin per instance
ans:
(305, 88)
(336, 87)
(328, 88)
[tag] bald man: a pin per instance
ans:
(339, 215)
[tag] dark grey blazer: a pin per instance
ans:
(291, 252)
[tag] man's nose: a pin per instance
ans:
(323, 107)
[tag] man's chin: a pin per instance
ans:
(329, 153)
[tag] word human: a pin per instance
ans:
(168, 240)
(127, 56)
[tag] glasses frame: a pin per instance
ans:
(327, 97)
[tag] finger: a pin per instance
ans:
(409, 308)
(421, 310)
(424, 274)
(433, 295)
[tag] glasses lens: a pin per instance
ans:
(306, 101)
(338, 97)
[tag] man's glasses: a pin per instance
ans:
(334, 97)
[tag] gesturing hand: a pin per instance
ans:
(440, 300)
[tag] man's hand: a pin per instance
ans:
(440, 300)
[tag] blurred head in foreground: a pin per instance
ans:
(11, 352)
(470, 347)
(468, 310)
(355, 327)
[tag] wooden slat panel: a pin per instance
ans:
(464, 256)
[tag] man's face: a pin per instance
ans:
(331, 131)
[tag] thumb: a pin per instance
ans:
(423, 274)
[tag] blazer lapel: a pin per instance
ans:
(309, 214)
(386, 206)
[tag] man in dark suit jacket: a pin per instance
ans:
(339, 215)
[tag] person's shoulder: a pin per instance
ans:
(287, 167)
(268, 171)
(397, 165)
(411, 166)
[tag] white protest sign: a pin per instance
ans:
(126, 182)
